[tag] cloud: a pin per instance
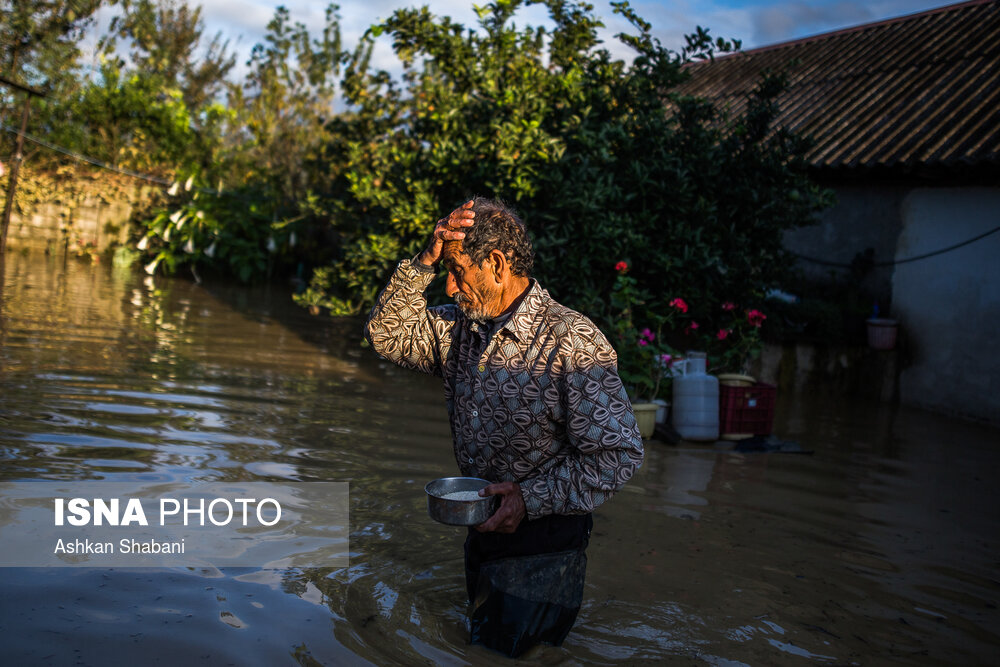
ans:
(781, 22)
(242, 23)
(754, 22)
(672, 21)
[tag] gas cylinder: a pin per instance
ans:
(696, 399)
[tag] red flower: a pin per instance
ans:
(679, 304)
(728, 305)
(755, 317)
(621, 267)
(691, 328)
(723, 334)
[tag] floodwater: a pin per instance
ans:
(880, 546)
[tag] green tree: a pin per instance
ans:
(471, 117)
(126, 119)
(154, 105)
(606, 163)
(39, 37)
(39, 47)
(269, 166)
(166, 42)
(159, 49)
(282, 109)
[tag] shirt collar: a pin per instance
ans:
(520, 322)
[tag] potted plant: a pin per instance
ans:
(647, 341)
(881, 331)
(644, 358)
(737, 342)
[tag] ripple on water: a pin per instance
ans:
(877, 548)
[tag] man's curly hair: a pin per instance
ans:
(498, 227)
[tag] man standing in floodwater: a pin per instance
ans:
(536, 407)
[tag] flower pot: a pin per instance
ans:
(645, 417)
(735, 380)
(882, 333)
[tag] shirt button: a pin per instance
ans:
(472, 460)
(482, 368)
(475, 413)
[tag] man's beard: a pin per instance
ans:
(478, 313)
(475, 313)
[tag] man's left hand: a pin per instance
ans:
(511, 511)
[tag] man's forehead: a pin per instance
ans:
(452, 253)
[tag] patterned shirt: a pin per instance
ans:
(539, 402)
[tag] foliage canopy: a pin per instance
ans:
(604, 161)
(324, 161)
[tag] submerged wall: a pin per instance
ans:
(948, 306)
(837, 370)
(863, 218)
(55, 224)
(79, 211)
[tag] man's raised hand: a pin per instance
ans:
(447, 229)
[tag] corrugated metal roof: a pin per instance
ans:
(920, 90)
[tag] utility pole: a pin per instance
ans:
(15, 166)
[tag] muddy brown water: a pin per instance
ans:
(879, 547)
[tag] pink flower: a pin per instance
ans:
(755, 317)
(679, 304)
(665, 359)
(728, 305)
(723, 334)
(621, 267)
(691, 328)
(648, 335)
(643, 342)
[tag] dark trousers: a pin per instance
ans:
(525, 587)
(548, 534)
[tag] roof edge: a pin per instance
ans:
(848, 30)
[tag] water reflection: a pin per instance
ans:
(879, 547)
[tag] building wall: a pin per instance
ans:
(54, 224)
(862, 217)
(949, 305)
(89, 212)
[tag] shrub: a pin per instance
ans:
(602, 160)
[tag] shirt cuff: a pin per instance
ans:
(419, 266)
(537, 497)
(414, 275)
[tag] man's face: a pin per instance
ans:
(469, 284)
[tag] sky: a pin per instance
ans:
(755, 22)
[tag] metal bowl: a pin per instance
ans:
(459, 512)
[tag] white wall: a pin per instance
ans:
(949, 305)
(861, 217)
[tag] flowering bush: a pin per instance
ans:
(644, 357)
(237, 232)
(730, 335)
(737, 341)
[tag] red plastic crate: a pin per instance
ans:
(747, 409)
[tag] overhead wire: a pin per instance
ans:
(895, 262)
(100, 163)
